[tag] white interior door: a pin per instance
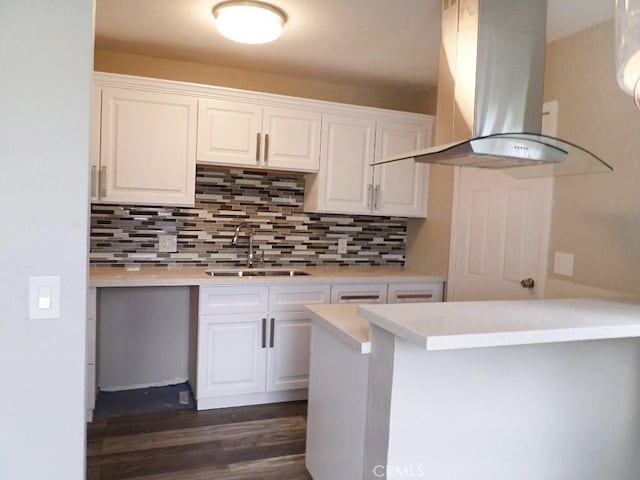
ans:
(500, 231)
(500, 234)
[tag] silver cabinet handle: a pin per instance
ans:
(264, 333)
(258, 145)
(272, 332)
(359, 297)
(414, 296)
(266, 147)
(376, 194)
(369, 194)
(103, 182)
(94, 174)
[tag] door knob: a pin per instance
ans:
(528, 283)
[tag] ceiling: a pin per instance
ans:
(381, 43)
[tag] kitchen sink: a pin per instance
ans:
(256, 272)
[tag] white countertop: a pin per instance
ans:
(460, 325)
(344, 322)
(191, 276)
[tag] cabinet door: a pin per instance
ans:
(90, 367)
(94, 154)
(289, 350)
(229, 133)
(400, 188)
(344, 181)
(232, 354)
(292, 139)
(147, 150)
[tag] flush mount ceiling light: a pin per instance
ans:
(628, 47)
(249, 21)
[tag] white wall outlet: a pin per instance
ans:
(342, 245)
(44, 297)
(167, 243)
(563, 264)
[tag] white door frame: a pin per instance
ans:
(544, 238)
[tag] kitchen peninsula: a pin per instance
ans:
(485, 390)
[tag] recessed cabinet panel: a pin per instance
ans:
(147, 148)
(294, 298)
(232, 360)
(345, 171)
(215, 300)
(292, 139)
(228, 132)
(401, 186)
(288, 360)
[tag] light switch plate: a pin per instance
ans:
(44, 297)
(167, 243)
(563, 264)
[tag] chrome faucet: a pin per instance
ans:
(249, 229)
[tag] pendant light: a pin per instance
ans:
(628, 47)
(249, 22)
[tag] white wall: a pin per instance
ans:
(144, 337)
(46, 60)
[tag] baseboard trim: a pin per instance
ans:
(250, 399)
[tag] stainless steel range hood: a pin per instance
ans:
(490, 93)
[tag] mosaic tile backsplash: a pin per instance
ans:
(271, 202)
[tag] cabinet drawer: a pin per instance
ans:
(215, 300)
(292, 298)
(359, 293)
(415, 292)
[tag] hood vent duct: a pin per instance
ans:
(490, 93)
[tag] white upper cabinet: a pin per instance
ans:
(343, 184)
(243, 134)
(147, 147)
(400, 188)
(148, 134)
(94, 154)
(347, 181)
(229, 132)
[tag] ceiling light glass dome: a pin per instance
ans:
(249, 21)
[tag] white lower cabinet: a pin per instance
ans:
(90, 367)
(232, 358)
(255, 347)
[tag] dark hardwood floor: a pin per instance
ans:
(241, 443)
